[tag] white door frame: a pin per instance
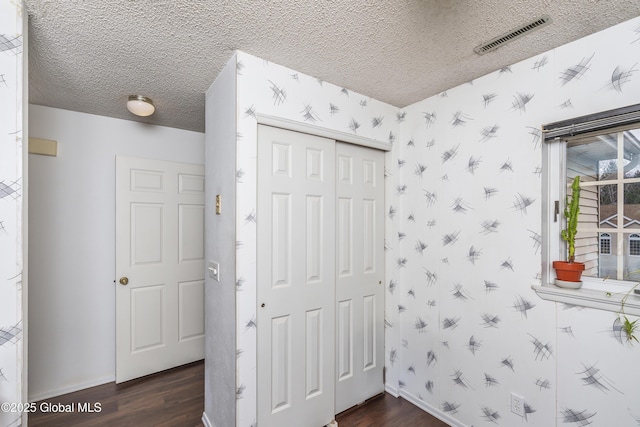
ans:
(279, 122)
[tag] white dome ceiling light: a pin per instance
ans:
(140, 105)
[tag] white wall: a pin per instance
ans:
(220, 246)
(478, 208)
(72, 241)
(11, 209)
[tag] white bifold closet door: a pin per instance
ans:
(320, 272)
(360, 274)
(296, 275)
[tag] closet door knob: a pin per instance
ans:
(124, 281)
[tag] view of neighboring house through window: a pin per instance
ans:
(608, 164)
(634, 245)
(605, 244)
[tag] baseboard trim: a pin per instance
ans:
(205, 420)
(430, 409)
(391, 390)
(70, 389)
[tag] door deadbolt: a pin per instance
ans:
(124, 281)
(263, 305)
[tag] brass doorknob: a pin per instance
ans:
(124, 281)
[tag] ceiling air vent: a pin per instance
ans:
(495, 43)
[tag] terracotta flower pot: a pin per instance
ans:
(568, 271)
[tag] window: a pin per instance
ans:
(608, 164)
(604, 151)
(605, 244)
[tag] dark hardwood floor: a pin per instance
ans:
(175, 398)
(387, 411)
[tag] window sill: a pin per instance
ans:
(589, 298)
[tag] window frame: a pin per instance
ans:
(595, 292)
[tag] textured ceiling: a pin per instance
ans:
(89, 55)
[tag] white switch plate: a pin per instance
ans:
(214, 270)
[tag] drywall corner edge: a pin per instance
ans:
(220, 245)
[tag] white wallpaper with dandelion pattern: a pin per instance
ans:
(468, 247)
(10, 208)
(463, 204)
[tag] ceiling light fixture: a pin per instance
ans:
(140, 105)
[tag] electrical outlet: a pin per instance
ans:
(517, 404)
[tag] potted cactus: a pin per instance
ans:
(568, 273)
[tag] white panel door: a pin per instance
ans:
(159, 265)
(360, 274)
(296, 278)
